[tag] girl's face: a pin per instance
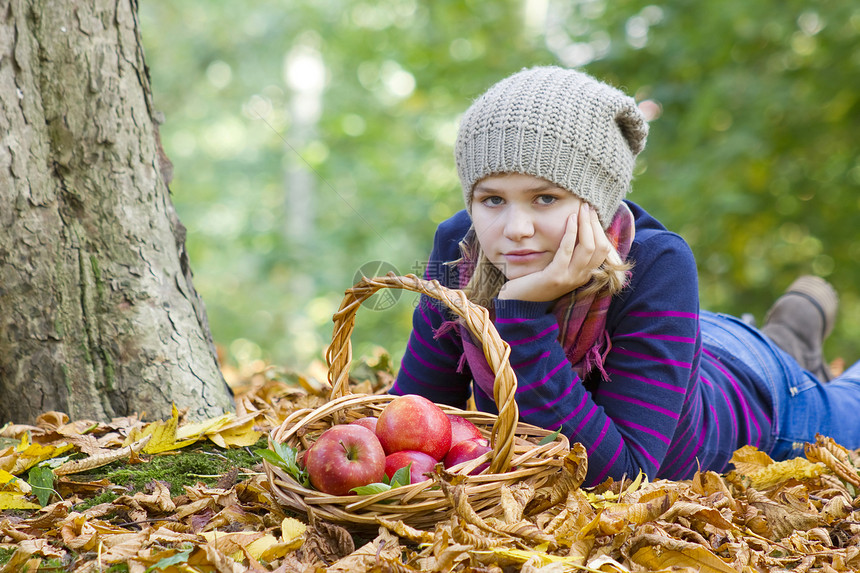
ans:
(519, 221)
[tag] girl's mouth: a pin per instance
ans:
(522, 256)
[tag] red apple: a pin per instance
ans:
(344, 457)
(465, 451)
(303, 459)
(412, 422)
(421, 464)
(463, 429)
(368, 422)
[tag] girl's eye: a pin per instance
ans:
(492, 201)
(546, 199)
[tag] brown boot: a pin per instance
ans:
(801, 319)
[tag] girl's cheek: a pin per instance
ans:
(558, 227)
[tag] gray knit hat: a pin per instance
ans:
(558, 124)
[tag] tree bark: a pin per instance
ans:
(98, 315)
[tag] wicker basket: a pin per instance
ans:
(515, 444)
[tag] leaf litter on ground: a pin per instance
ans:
(175, 495)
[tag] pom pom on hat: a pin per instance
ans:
(558, 124)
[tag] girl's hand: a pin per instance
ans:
(583, 248)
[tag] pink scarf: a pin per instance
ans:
(582, 320)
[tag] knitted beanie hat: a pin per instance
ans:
(557, 124)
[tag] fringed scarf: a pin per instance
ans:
(582, 319)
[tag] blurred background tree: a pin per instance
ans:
(315, 136)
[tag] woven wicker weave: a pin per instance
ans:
(515, 444)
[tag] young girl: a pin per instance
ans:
(600, 304)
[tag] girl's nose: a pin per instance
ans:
(518, 224)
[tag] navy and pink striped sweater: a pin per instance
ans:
(670, 406)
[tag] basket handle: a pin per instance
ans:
(476, 318)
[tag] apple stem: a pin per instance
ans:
(350, 452)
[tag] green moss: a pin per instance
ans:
(87, 354)
(107, 496)
(203, 462)
(52, 564)
(67, 378)
(97, 273)
(6, 554)
(110, 375)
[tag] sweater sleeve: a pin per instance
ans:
(627, 422)
(431, 365)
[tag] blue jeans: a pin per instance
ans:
(803, 406)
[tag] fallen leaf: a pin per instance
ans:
(101, 459)
(523, 555)
(236, 435)
(775, 473)
(697, 559)
(749, 459)
(293, 532)
(574, 467)
(386, 547)
(163, 435)
(782, 519)
(26, 455)
(267, 545)
(700, 512)
(607, 564)
(198, 429)
(16, 500)
(14, 483)
(232, 543)
(326, 541)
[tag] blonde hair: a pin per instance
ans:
(487, 280)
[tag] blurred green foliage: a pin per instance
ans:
(314, 136)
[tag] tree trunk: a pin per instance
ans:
(98, 316)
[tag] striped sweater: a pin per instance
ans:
(670, 405)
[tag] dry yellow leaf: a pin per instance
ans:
(26, 455)
(267, 545)
(226, 430)
(20, 561)
(640, 481)
(600, 500)
(239, 436)
(607, 564)
(99, 460)
(834, 457)
(404, 531)
(569, 525)
(783, 519)
(198, 429)
(708, 483)
(125, 550)
(386, 547)
(41, 547)
(293, 530)
(574, 468)
(749, 459)
(695, 558)
(13, 500)
(208, 558)
(163, 435)
(698, 511)
(777, 472)
(158, 501)
(616, 517)
(277, 550)
(523, 555)
(797, 468)
(230, 543)
(11, 482)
